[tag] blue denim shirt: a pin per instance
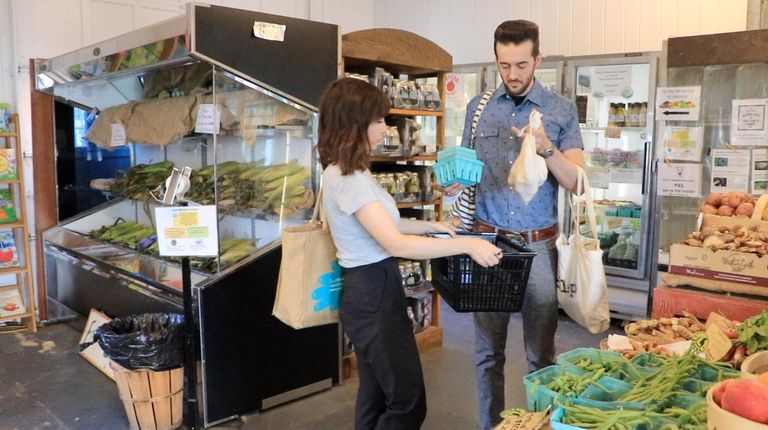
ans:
(496, 203)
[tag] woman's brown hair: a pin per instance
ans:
(348, 108)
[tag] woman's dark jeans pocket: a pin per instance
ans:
(363, 289)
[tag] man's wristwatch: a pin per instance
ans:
(549, 151)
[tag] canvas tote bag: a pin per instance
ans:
(309, 284)
(463, 209)
(581, 286)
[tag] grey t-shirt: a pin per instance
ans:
(342, 197)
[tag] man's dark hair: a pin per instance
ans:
(516, 32)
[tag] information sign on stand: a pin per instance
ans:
(188, 231)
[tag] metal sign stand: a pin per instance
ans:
(176, 185)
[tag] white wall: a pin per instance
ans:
(568, 27)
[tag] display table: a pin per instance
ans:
(671, 301)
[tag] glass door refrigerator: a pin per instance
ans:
(613, 95)
(727, 146)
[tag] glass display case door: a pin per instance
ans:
(613, 95)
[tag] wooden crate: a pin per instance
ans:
(669, 302)
(152, 400)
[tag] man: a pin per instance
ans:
(500, 209)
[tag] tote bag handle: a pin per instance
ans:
(584, 195)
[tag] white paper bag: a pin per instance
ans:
(581, 286)
(529, 171)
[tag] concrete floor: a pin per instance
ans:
(46, 385)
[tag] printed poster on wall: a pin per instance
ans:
(730, 170)
(759, 171)
(748, 122)
(682, 143)
(612, 81)
(678, 103)
(454, 91)
(187, 231)
(680, 179)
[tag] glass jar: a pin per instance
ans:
(430, 96)
(405, 95)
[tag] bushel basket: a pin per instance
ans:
(469, 287)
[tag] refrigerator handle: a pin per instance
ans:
(646, 164)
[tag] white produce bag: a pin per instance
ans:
(529, 171)
(581, 286)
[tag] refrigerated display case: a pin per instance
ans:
(251, 158)
(612, 95)
(733, 69)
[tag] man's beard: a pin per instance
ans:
(521, 91)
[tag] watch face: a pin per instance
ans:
(548, 152)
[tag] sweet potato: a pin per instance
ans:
(746, 398)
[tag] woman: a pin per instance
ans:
(368, 233)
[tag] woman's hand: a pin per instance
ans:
(450, 190)
(483, 252)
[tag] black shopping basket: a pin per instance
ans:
(469, 287)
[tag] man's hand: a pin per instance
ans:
(542, 141)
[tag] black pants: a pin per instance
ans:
(373, 311)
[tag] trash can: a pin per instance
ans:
(147, 353)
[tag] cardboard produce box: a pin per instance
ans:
(721, 270)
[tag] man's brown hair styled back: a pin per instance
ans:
(348, 108)
(516, 32)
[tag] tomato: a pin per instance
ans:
(6, 255)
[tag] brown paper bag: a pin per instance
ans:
(309, 284)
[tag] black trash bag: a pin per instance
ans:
(146, 341)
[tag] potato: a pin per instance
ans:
(724, 201)
(713, 199)
(735, 198)
(709, 209)
(745, 209)
(725, 210)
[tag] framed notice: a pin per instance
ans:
(730, 170)
(748, 122)
(680, 179)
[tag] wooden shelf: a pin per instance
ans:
(425, 288)
(12, 181)
(17, 224)
(9, 287)
(415, 112)
(395, 159)
(13, 270)
(396, 50)
(18, 316)
(16, 135)
(406, 205)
